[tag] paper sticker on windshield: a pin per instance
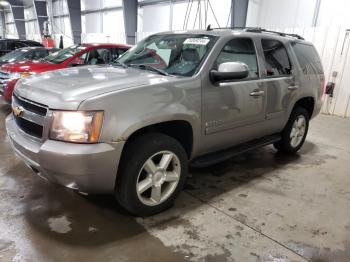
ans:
(196, 41)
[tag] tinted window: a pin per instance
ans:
(12, 45)
(3, 45)
(308, 58)
(277, 62)
(239, 50)
(32, 43)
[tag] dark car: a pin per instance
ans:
(27, 53)
(8, 45)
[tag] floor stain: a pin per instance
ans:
(60, 225)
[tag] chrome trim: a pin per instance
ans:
(33, 117)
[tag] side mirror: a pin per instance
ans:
(230, 71)
(76, 62)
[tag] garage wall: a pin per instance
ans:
(31, 24)
(171, 16)
(281, 13)
(10, 30)
(60, 22)
(298, 13)
(102, 21)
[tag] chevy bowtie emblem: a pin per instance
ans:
(17, 110)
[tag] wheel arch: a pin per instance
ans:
(307, 103)
(181, 130)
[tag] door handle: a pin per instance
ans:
(257, 93)
(295, 87)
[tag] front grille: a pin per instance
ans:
(35, 108)
(32, 120)
(30, 128)
(4, 78)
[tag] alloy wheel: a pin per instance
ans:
(158, 178)
(298, 131)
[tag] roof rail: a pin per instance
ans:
(257, 30)
(261, 30)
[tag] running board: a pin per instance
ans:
(217, 157)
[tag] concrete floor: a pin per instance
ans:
(261, 206)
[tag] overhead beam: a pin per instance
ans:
(130, 20)
(74, 9)
(41, 13)
(239, 9)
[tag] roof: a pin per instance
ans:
(105, 44)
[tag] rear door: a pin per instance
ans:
(278, 80)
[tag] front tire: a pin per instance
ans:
(152, 173)
(294, 134)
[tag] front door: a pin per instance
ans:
(233, 110)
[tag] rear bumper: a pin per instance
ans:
(90, 168)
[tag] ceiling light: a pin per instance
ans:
(4, 3)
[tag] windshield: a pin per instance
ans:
(14, 55)
(173, 54)
(59, 57)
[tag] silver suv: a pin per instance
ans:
(176, 98)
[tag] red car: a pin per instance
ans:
(77, 55)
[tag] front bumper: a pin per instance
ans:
(90, 168)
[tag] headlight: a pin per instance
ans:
(20, 75)
(77, 126)
(14, 75)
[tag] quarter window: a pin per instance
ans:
(277, 62)
(239, 50)
(308, 59)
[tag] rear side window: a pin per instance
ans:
(308, 59)
(277, 62)
(239, 50)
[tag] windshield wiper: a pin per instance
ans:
(117, 63)
(150, 68)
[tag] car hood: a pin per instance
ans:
(67, 88)
(28, 66)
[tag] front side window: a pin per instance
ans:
(277, 62)
(173, 54)
(59, 57)
(239, 50)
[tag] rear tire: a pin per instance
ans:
(152, 173)
(294, 134)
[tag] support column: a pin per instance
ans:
(17, 9)
(239, 9)
(130, 20)
(74, 10)
(41, 13)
